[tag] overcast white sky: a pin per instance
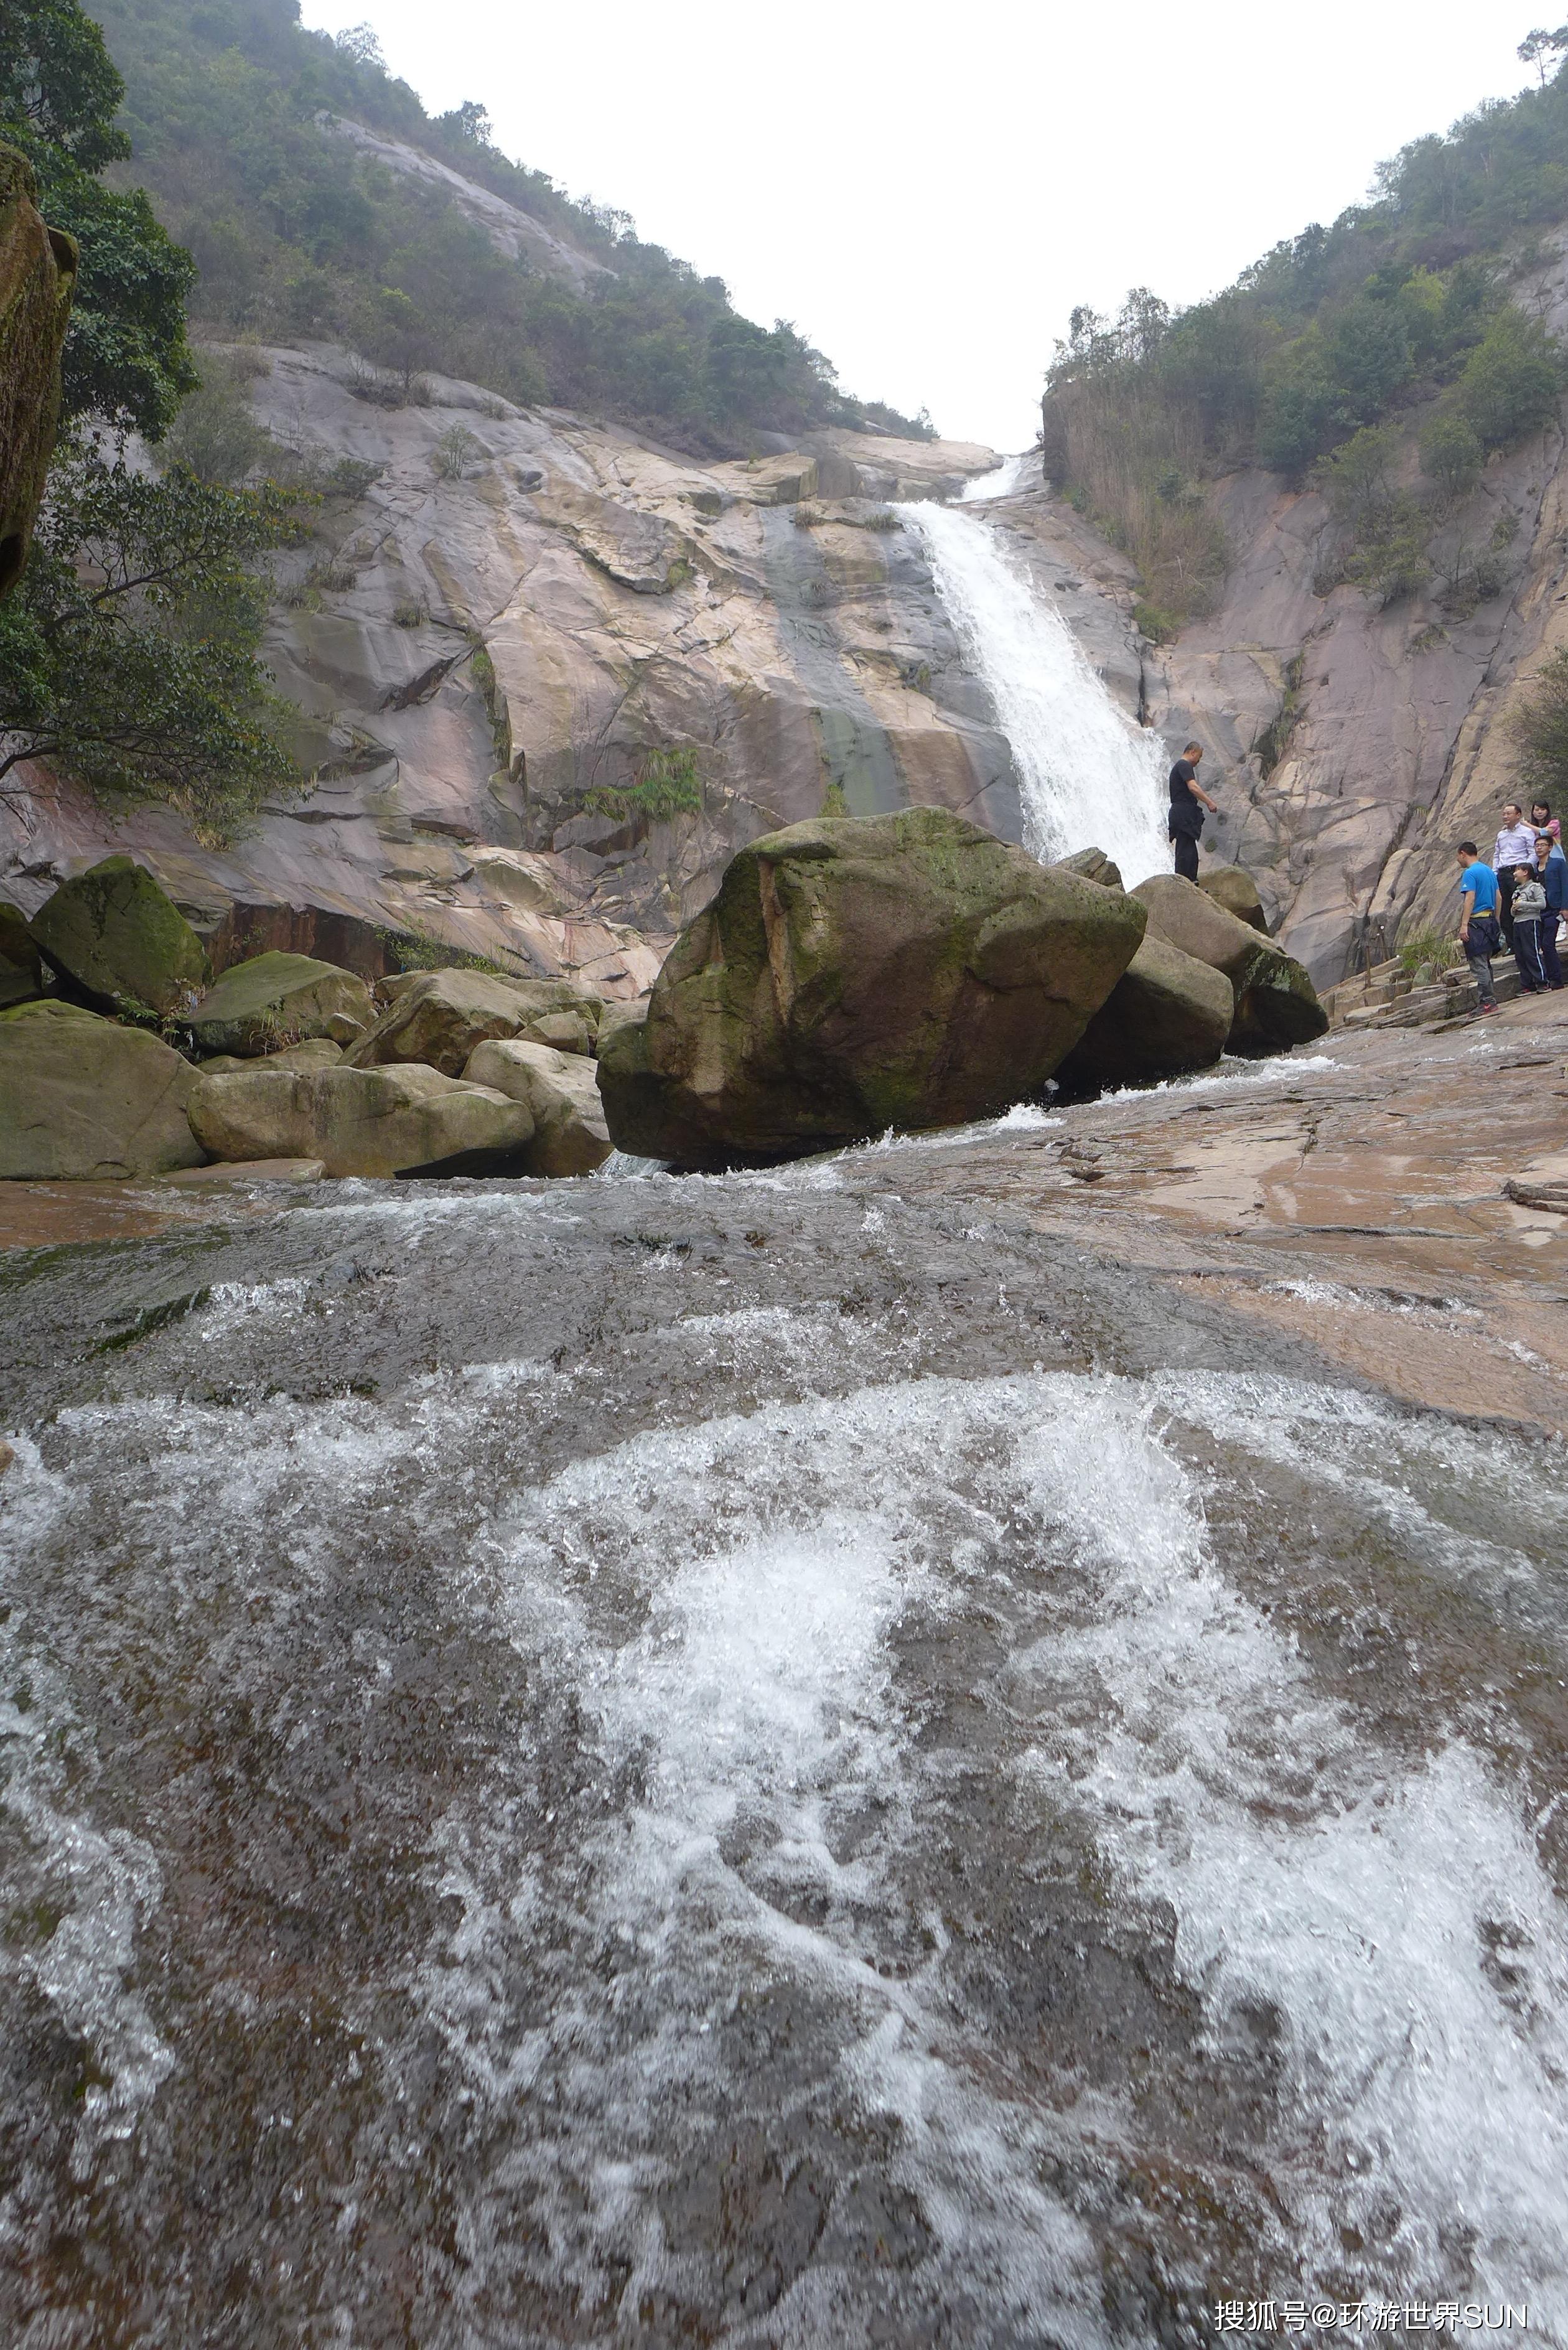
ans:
(926, 193)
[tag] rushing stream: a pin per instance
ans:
(1087, 777)
(756, 1761)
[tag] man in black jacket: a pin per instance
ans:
(1553, 870)
(1186, 811)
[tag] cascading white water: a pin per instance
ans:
(1087, 777)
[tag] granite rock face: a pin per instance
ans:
(115, 935)
(37, 276)
(83, 1099)
(908, 971)
(485, 668)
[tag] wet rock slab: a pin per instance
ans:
(827, 1756)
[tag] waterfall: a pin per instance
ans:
(1086, 774)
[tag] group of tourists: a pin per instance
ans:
(1517, 899)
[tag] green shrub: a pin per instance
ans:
(1540, 731)
(455, 453)
(668, 784)
(1429, 946)
(1512, 379)
(1153, 622)
(1452, 454)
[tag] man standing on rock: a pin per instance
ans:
(1185, 814)
(1478, 919)
(1515, 847)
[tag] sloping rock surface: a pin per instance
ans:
(84, 1099)
(361, 1122)
(907, 972)
(115, 934)
(485, 663)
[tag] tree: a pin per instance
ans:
(1512, 381)
(127, 362)
(127, 653)
(1451, 454)
(1540, 731)
(1538, 45)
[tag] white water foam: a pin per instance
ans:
(1087, 777)
(725, 1604)
(999, 482)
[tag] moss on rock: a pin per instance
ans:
(115, 935)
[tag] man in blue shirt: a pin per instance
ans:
(1478, 920)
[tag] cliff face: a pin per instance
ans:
(1357, 747)
(489, 642)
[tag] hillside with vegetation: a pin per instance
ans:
(232, 108)
(1400, 322)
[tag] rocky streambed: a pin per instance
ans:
(960, 1744)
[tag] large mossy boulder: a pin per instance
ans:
(561, 1092)
(444, 1016)
(82, 1098)
(905, 971)
(278, 1000)
(113, 934)
(38, 274)
(21, 966)
(1232, 887)
(1168, 1015)
(1276, 1002)
(394, 1121)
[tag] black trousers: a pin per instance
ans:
(1186, 855)
(1527, 953)
(1505, 889)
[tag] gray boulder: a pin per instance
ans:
(561, 1090)
(1276, 1002)
(1232, 887)
(391, 1121)
(278, 1000)
(82, 1098)
(115, 935)
(906, 970)
(1094, 865)
(1166, 1016)
(446, 1016)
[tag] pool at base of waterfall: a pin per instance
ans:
(756, 1761)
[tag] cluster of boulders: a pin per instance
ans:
(120, 1055)
(907, 972)
(911, 971)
